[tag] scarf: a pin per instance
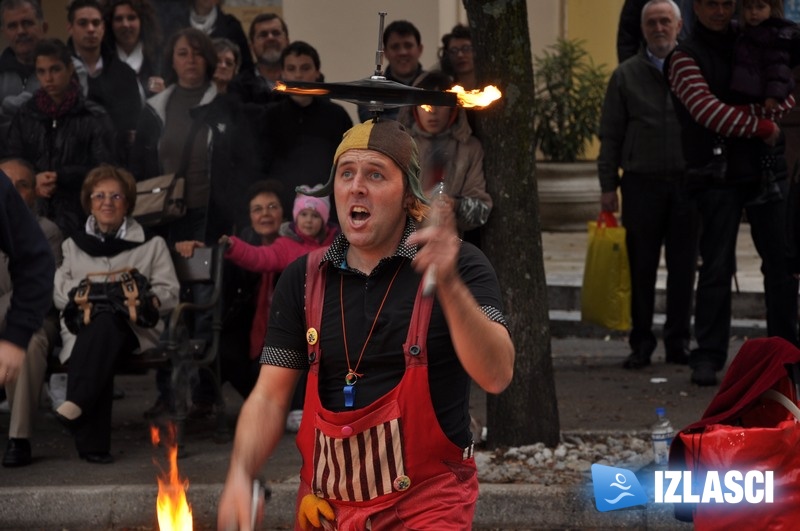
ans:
(204, 24)
(48, 107)
(109, 246)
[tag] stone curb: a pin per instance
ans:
(567, 323)
(499, 507)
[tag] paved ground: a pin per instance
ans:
(594, 394)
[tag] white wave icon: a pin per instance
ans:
(620, 484)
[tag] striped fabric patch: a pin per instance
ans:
(361, 467)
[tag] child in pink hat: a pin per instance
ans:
(308, 231)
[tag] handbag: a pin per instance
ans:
(766, 438)
(161, 200)
(125, 292)
(752, 425)
(606, 289)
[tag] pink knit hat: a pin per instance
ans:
(321, 204)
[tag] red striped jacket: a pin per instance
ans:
(690, 87)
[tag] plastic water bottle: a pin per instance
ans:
(662, 438)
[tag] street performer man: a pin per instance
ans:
(385, 436)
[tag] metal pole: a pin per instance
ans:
(379, 53)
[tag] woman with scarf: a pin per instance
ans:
(62, 134)
(111, 240)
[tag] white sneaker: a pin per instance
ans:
(57, 390)
(293, 420)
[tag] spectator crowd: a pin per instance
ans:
(144, 88)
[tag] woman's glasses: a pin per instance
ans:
(464, 50)
(99, 197)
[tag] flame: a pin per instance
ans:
(281, 87)
(476, 98)
(426, 108)
(174, 512)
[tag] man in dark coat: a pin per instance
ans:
(723, 140)
(23, 25)
(62, 135)
(32, 267)
(111, 82)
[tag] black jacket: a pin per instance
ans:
(303, 141)
(234, 158)
(31, 266)
(116, 89)
(229, 27)
(69, 146)
(253, 88)
(17, 81)
(713, 52)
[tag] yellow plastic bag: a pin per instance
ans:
(606, 291)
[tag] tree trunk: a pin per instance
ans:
(527, 411)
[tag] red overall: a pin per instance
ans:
(388, 465)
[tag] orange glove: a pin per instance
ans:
(314, 513)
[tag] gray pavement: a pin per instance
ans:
(59, 491)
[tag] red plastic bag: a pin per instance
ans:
(722, 448)
(762, 435)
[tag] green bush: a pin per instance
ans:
(569, 95)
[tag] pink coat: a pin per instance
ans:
(269, 260)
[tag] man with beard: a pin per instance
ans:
(268, 35)
(23, 25)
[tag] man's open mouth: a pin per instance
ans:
(359, 214)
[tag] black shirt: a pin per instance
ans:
(383, 363)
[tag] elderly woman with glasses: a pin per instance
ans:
(229, 60)
(112, 241)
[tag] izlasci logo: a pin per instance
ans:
(616, 488)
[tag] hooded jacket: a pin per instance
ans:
(462, 156)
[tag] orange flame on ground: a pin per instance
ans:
(174, 512)
(476, 98)
(281, 87)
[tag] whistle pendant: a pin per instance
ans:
(349, 395)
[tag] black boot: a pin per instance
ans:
(18, 453)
